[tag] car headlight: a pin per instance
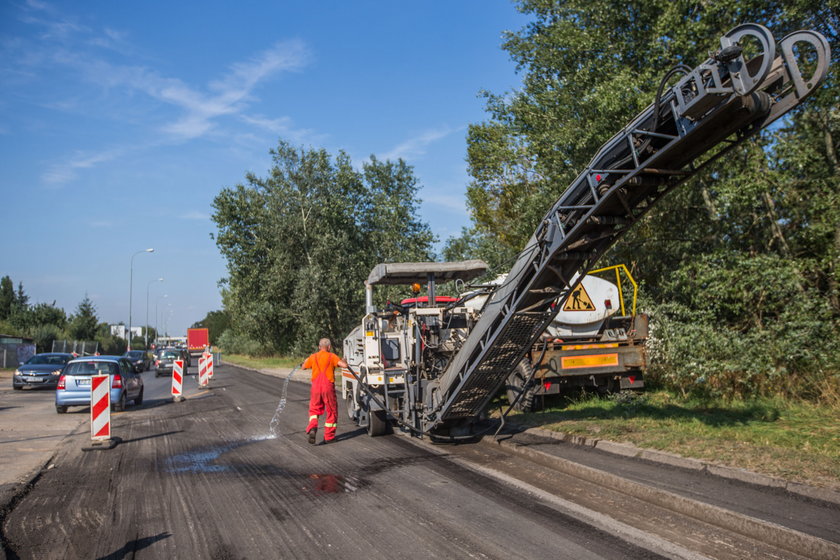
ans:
(18, 373)
(56, 372)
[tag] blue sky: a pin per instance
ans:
(120, 122)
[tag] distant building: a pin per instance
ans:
(121, 330)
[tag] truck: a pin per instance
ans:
(198, 340)
(433, 368)
(597, 341)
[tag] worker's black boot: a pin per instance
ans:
(312, 433)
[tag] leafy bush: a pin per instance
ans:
(235, 343)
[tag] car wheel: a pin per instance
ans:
(139, 400)
(157, 373)
(119, 406)
(17, 387)
(60, 409)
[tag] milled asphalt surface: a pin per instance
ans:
(811, 511)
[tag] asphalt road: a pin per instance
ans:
(202, 479)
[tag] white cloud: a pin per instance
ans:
(416, 147)
(232, 92)
(282, 126)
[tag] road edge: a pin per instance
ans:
(663, 457)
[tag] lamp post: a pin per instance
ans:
(157, 317)
(146, 328)
(131, 290)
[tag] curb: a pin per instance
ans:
(764, 531)
(674, 460)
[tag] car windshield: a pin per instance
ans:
(171, 354)
(91, 368)
(47, 359)
(134, 354)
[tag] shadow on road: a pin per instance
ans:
(350, 435)
(131, 547)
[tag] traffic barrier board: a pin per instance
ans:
(209, 364)
(203, 380)
(177, 379)
(100, 408)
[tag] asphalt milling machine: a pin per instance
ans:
(433, 367)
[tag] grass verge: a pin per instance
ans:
(262, 363)
(792, 440)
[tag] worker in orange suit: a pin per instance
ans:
(322, 393)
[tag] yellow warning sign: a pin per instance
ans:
(579, 300)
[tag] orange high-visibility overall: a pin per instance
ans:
(322, 393)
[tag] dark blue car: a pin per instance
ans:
(41, 370)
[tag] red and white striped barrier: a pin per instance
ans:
(177, 379)
(209, 363)
(203, 379)
(100, 408)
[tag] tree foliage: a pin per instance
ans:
(84, 324)
(740, 265)
(300, 242)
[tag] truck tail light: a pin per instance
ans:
(117, 383)
(608, 303)
(61, 383)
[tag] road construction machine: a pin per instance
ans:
(433, 367)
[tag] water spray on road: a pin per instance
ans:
(275, 420)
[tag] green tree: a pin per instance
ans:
(300, 242)
(83, 324)
(47, 314)
(7, 297)
(19, 310)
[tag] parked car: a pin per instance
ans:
(166, 360)
(140, 359)
(41, 370)
(74, 383)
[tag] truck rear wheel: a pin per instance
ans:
(528, 401)
(377, 423)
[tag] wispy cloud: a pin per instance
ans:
(66, 171)
(415, 147)
(105, 58)
(283, 126)
(200, 109)
(231, 92)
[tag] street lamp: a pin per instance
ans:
(157, 317)
(131, 290)
(146, 328)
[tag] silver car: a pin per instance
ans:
(75, 381)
